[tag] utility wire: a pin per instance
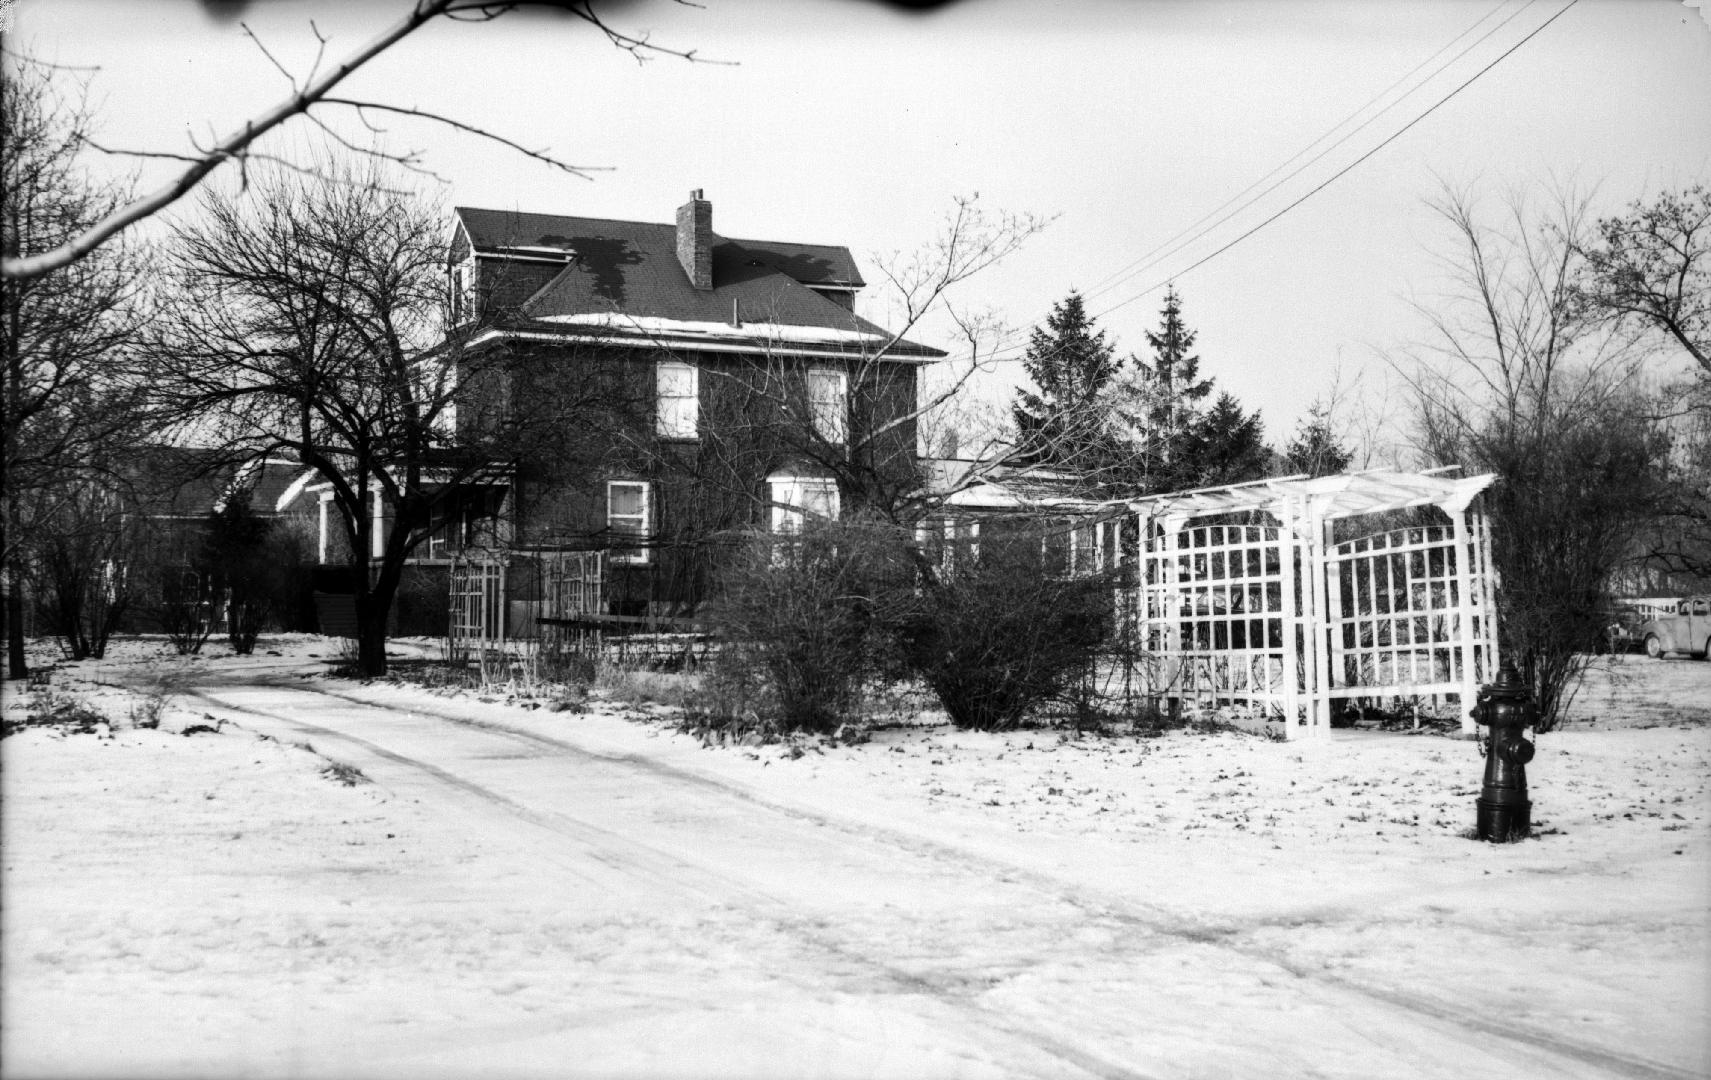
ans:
(1143, 262)
(1350, 166)
(995, 356)
(1316, 158)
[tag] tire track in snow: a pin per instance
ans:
(1223, 935)
(1125, 913)
(668, 871)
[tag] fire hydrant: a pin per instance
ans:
(1506, 706)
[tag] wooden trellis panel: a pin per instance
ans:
(1407, 604)
(572, 583)
(1215, 614)
(477, 609)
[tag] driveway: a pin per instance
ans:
(546, 905)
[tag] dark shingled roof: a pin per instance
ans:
(630, 268)
(191, 482)
(492, 231)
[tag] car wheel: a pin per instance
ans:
(1654, 647)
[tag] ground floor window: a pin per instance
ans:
(797, 499)
(629, 508)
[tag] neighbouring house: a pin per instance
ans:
(706, 386)
(975, 499)
(144, 523)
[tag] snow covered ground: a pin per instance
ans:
(512, 891)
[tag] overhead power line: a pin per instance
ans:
(1350, 166)
(1147, 259)
(998, 354)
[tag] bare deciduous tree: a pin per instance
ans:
(871, 451)
(1653, 265)
(58, 332)
(1519, 381)
(311, 318)
(1651, 268)
(315, 91)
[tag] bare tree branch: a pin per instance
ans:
(235, 146)
(364, 107)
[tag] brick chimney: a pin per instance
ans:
(695, 240)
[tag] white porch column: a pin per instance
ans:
(377, 536)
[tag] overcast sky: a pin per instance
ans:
(854, 123)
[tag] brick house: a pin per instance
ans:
(707, 385)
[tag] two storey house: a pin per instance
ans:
(677, 389)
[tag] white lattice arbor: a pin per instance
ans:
(477, 608)
(1245, 594)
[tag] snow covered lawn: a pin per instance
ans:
(506, 891)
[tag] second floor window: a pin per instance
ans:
(629, 509)
(679, 404)
(829, 404)
(463, 291)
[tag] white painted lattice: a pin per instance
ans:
(1258, 606)
(1399, 613)
(572, 583)
(477, 625)
(1213, 613)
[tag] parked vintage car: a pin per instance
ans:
(1685, 630)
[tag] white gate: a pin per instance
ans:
(477, 626)
(573, 585)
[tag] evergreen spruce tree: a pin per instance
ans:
(1064, 423)
(1178, 389)
(1315, 449)
(1225, 446)
(1164, 406)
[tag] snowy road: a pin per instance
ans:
(546, 905)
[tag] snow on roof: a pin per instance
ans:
(293, 491)
(769, 331)
(1324, 497)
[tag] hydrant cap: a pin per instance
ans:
(1508, 680)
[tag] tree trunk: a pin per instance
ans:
(373, 611)
(17, 667)
(371, 647)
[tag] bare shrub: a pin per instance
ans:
(996, 636)
(162, 684)
(801, 621)
(55, 709)
(186, 608)
(637, 684)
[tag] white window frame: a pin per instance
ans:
(831, 418)
(462, 287)
(639, 555)
(683, 420)
(790, 504)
